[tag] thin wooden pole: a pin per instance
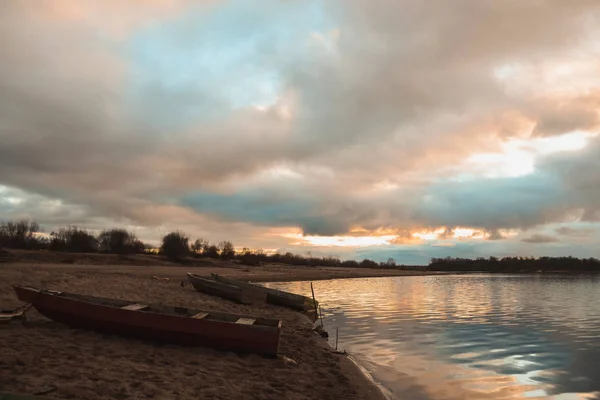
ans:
(337, 335)
(314, 300)
(321, 314)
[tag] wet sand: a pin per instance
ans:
(40, 354)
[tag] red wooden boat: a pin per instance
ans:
(155, 322)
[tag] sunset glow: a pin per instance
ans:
(364, 238)
(429, 235)
(517, 157)
(468, 233)
(462, 232)
(347, 241)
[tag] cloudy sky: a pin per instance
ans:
(407, 129)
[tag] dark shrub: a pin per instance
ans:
(349, 264)
(210, 250)
(366, 263)
(175, 245)
(117, 241)
(73, 239)
(249, 257)
(139, 247)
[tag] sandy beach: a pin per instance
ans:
(41, 354)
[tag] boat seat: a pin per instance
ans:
(245, 321)
(135, 307)
(200, 315)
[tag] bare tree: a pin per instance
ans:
(226, 250)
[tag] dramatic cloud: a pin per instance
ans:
(567, 231)
(265, 121)
(539, 238)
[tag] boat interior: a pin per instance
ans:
(278, 292)
(169, 310)
(209, 281)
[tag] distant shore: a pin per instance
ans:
(83, 364)
(268, 269)
(158, 266)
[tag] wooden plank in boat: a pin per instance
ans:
(245, 321)
(200, 315)
(135, 307)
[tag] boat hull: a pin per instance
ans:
(225, 290)
(149, 325)
(273, 296)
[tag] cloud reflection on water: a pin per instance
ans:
(475, 336)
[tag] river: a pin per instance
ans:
(468, 336)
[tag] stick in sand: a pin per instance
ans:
(337, 335)
(321, 314)
(314, 301)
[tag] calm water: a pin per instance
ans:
(469, 337)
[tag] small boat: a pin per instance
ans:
(225, 290)
(274, 296)
(178, 325)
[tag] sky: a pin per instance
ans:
(356, 129)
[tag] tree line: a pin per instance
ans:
(27, 235)
(175, 246)
(515, 264)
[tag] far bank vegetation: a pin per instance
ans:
(175, 246)
(178, 247)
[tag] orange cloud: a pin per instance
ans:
(114, 18)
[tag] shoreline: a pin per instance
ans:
(354, 370)
(263, 273)
(86, 364)
(385, 392)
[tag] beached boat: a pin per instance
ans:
(225, 290)
(155, 322)
(273, 296)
